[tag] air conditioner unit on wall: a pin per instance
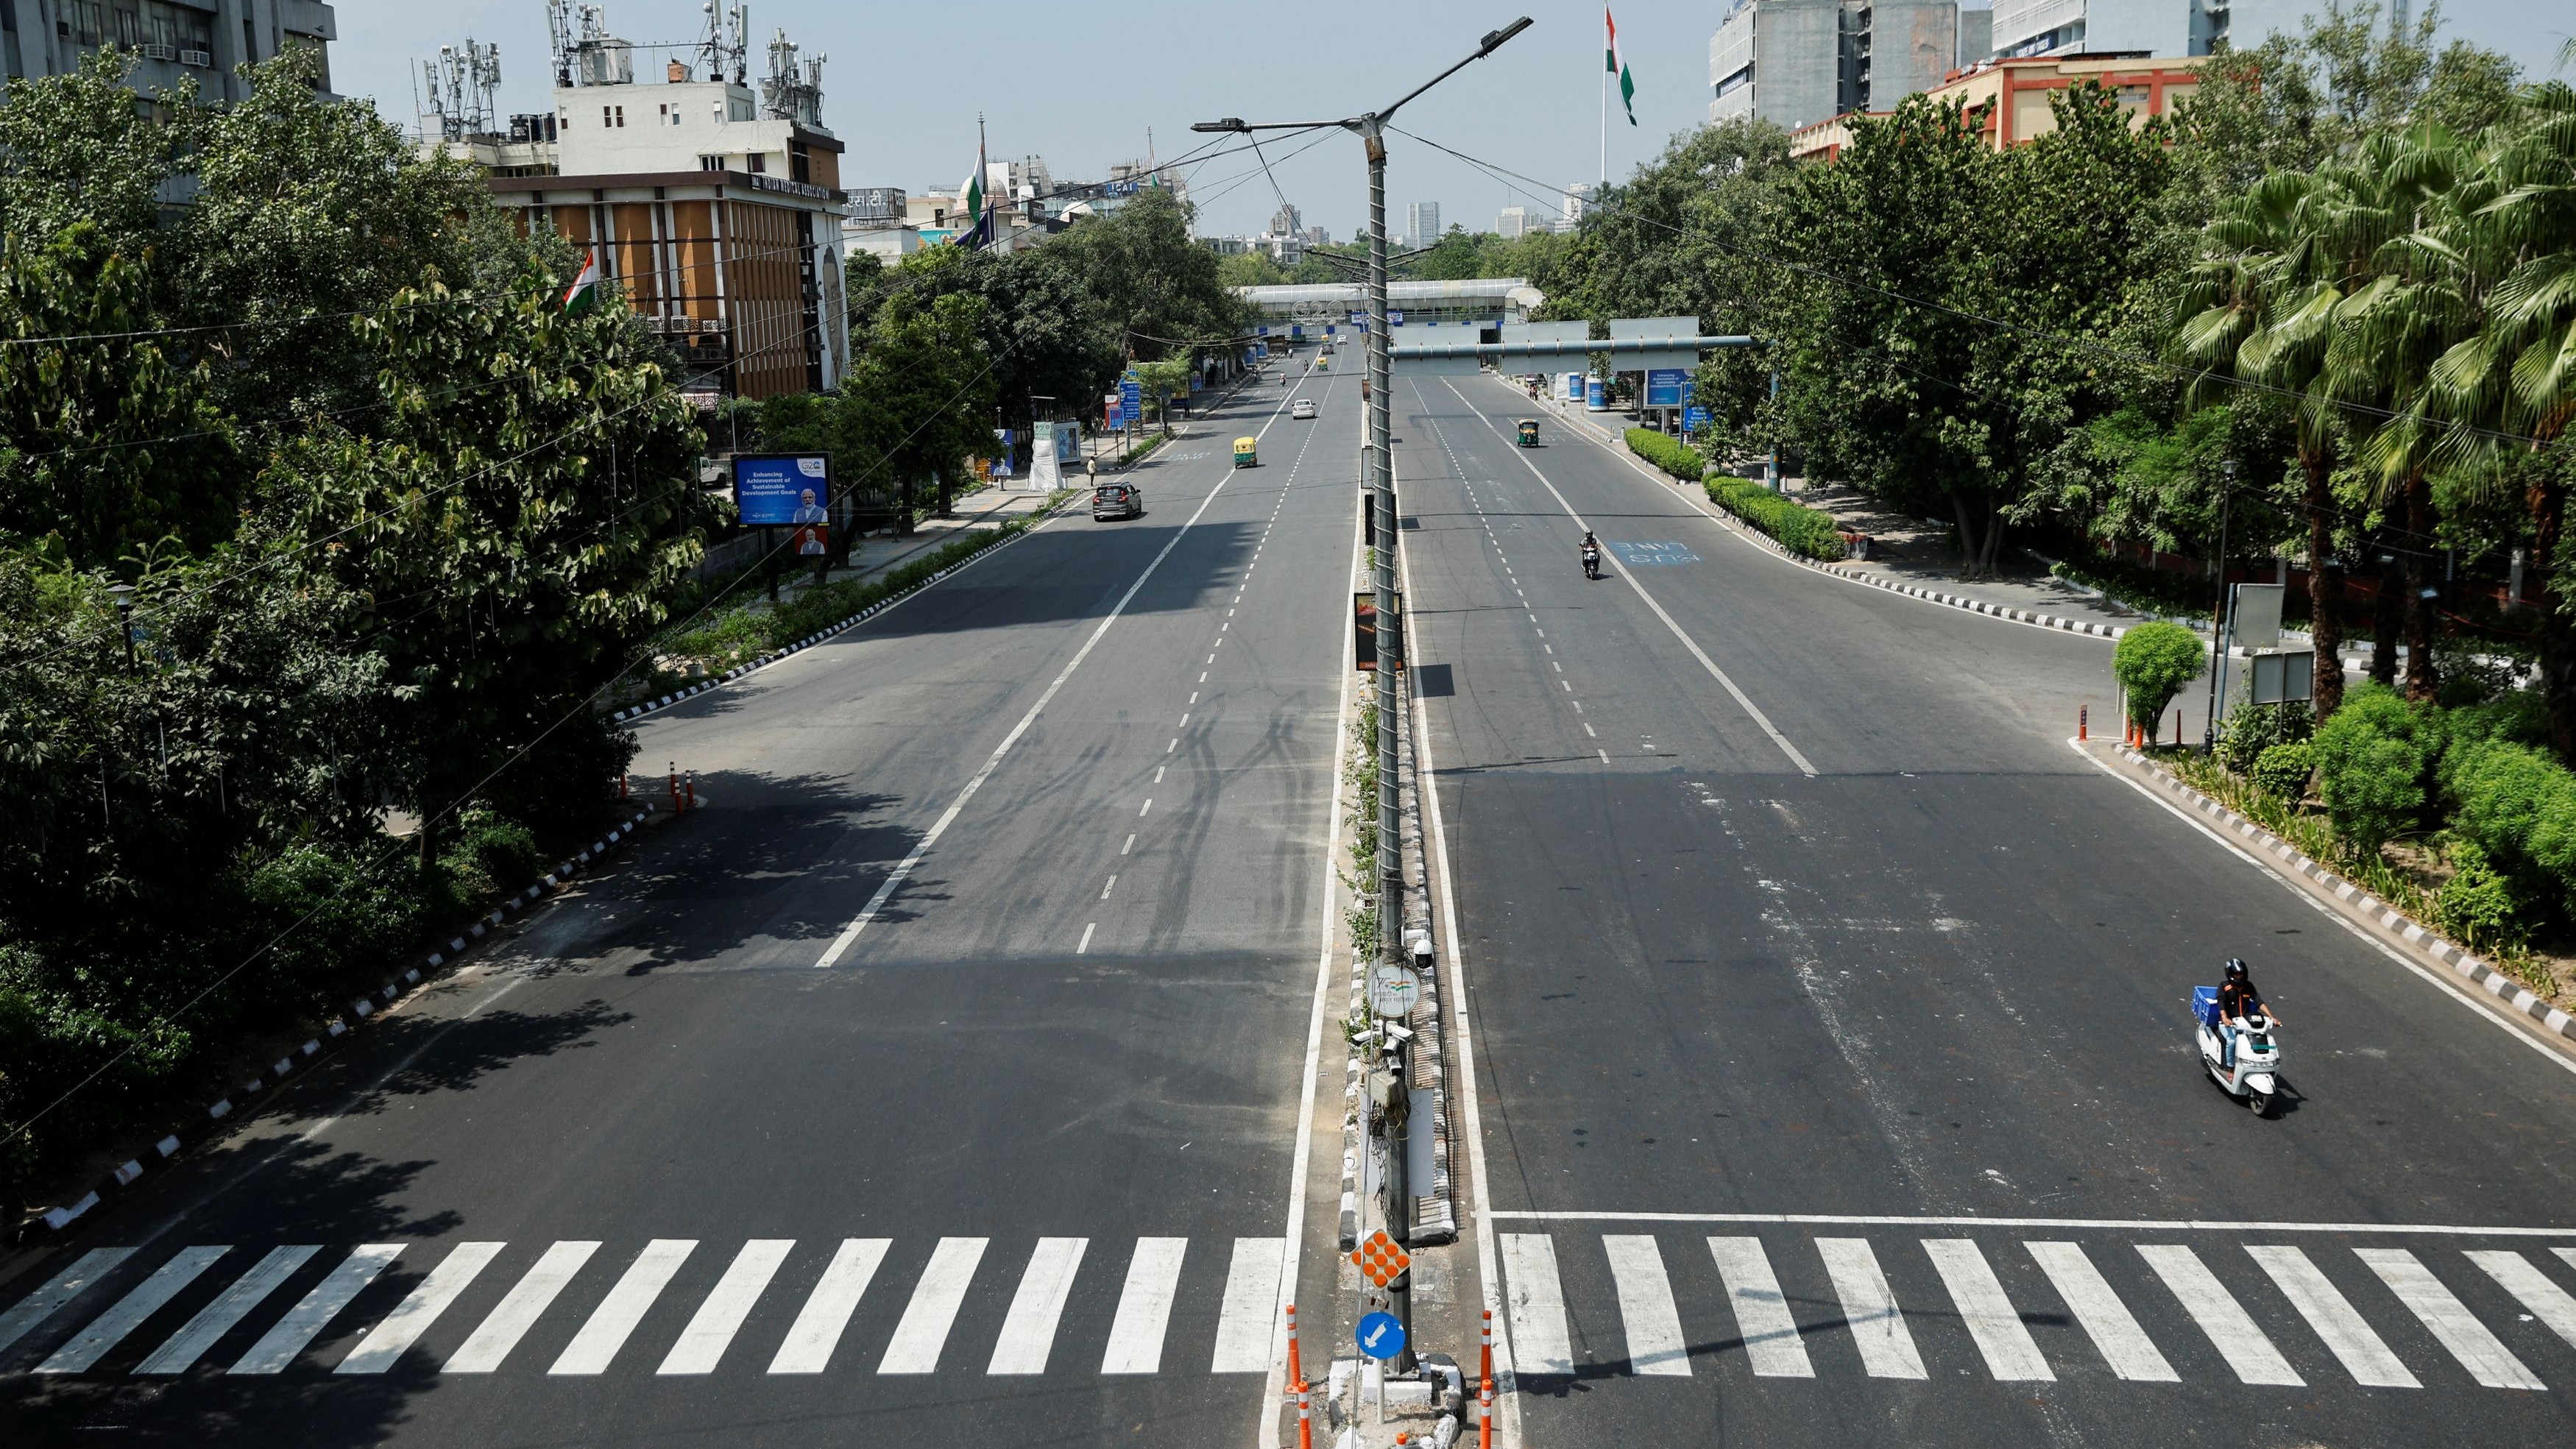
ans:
(154, 50)
(198, 58)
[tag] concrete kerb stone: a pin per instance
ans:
(127, 1173)
(2383, 919)
(638, 711)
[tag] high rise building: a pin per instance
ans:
(1286, 221)
(1422, 223)
(1514, 221)
(1796, 62)
(2169, 28)
(198, 39)
(1577, 204)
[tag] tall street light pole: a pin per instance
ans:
(1378, 476)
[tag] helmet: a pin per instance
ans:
(2235, 969)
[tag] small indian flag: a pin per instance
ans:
(1619, 67)
(583, 294)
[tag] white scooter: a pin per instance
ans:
(2255, 1076)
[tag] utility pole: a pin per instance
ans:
(2218, 615)
(1378, 477)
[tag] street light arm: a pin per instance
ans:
(1238, 124)
(1492, 42)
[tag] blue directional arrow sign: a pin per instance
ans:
(1381, 1336)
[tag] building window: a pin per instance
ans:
(711, 163)
(758, 162)
(799, 163)
(129, 27)
(88, 21)
(612, 118)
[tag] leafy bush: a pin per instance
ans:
(2254, 728)
(2283, 770)
(1809, 531)
(2372, 761)
(2478, 904)
(2153, 662)
(490, 854)
(1666, 453)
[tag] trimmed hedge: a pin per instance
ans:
(1666, 454)
(1803, 530)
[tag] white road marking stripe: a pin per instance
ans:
(933, 1309)
(419, 1309)
(288, 1336)
(1130, 845)
(127, 1314)
(1877, 1327)
(2230, 1328)
(1762, 1321)
(519, 1309)
(2448, 1319)
(57, 1291)
(1104, 889)
(1537, 1304)
(2544, 1299)
(720, 1317)
(1655, 1342)
(2107, 1321)
(609, 1325)
(1028, 1333)
(1083, 946)
(1987, 1311)
(1144, 1307)
(1148, 805)
(903, 870)
(808, 1346)
(2361, 1351)
(181, 1350)
(1250, 1319)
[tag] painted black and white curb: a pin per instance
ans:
(2376, 912)
(1005, 536)
(1435, 1213)
(356, 1013)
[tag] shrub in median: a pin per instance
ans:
(2283, 770)
(2153, 662)
(1801, 530)
(1666, 453)
(2373, 759)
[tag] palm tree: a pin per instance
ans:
(2510, 390)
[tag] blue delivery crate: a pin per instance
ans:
(2204, 1004)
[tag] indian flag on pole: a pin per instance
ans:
(583, 294)
(1619, 67)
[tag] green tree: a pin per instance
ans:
(2152, 662)
(1249, 269)
(2374, 759)
(1157, 288)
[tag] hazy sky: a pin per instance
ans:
(1081, 85)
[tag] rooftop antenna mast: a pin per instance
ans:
(559, 36)
(722, 46)
(461, 83)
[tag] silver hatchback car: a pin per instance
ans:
(1117, 500)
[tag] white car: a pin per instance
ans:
(1303, 407)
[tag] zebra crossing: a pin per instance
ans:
(496, 1301)
(2266, 1314)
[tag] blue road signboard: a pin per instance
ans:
(1592, 397)
(1394, 318)
(1131, 397)
(1664, 386)
(1694, 419)
(1380, 1336)
(782, 489)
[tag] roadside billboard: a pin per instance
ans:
(1665, 386)
(783, 490)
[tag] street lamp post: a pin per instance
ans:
(1378, 477)
(2218, 617)
(122, 596)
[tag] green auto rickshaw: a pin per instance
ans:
(1528, 430)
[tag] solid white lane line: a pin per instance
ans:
(128, 1313)
(2230, 1328)
(288, 1336)
(2011, 1354)
(1083, 946)
(1742, 699)
(2448, 1319)
(720, 1317)
(933, 1309)
(902, 871)
(1250, 1318)
(1144, 1307)
(817, 1330)
(615, 1318)
(2106, 1320)
(181, 1350)
(1655, 1343)
(2362, 1353)
(1762, 1320)
(1536, 1299)
(518, 1310)
(57, 1291)
(1877, 1327)
(2540, 1297)
(1028, 1332)
(419, 1309)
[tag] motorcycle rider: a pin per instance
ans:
(2238, 999)
(1591, 555)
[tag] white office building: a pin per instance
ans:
(1797, 62)
(1422, 223)
(2139, 27)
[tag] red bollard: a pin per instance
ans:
(622, 780)
(1305, 1425)
(1485, 1388)
(1297, 1384)
(2083, 723)
(674, 767)
(693, 789)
